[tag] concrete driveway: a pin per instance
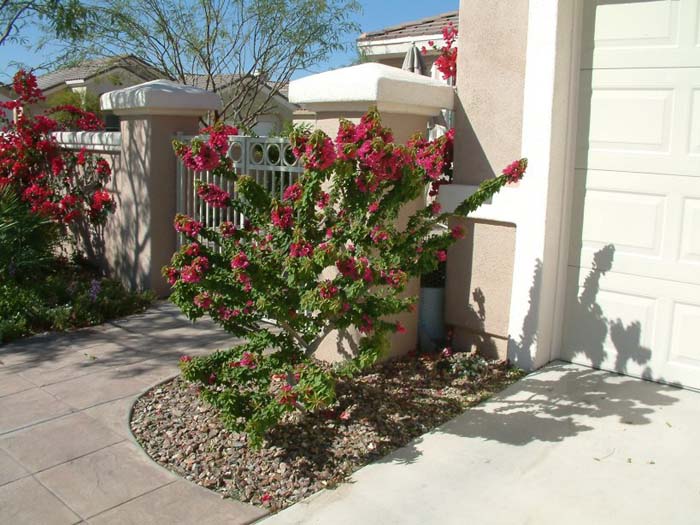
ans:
(566, 445)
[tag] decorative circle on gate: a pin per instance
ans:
(273, 154)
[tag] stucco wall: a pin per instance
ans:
(488, 121)
(340, 345)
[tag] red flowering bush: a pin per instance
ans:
(446, 63)
(60, 185)
(328, 255)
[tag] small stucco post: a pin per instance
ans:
(139, 239)
(406, 102)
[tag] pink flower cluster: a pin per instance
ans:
(38, 170)
(193, 272)
(203, 300)
(394, 278)
(434, 156)
(240, 261)
(328, 290)
(316, 150)
(293, 192)
(247, 360)
(378, 235)
(355, 268)
(446, 63)
(101, 200)
(367, 324)
(192, 250)
(188, 226)
(203, 156)
(288, 397)
(301, 249)
(282, 217)
(515, 170)
(227, 229)
(218, 136)
(371, 145)
(226, 313)
(323, 201)
(213, 195)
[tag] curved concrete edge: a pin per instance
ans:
(262, 512)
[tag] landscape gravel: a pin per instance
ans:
(377, 412)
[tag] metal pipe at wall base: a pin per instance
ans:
(431, 318)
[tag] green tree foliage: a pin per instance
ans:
(66, 19)
(87, 102)
(244, 49)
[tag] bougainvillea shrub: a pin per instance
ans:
(61, 185)
(327, 255)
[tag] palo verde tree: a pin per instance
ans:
(66, 19)
(327, 255)
(246, 50)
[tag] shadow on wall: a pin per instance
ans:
(131, 233)
(561, 400)
(520, 352)
(119, 247)
(588, 328)
(477, 336)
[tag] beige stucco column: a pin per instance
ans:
(406, 102)
(139, 239)
(517, 78)
(488, 132)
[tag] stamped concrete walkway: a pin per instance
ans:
(66, 453)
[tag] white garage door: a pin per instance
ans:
(633, 298)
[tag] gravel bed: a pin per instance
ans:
(379, 411)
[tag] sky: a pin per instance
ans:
(376, 14)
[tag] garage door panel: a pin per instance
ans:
(694, 139)
(690, 232)
(624, 323)
(637, 227)
(641, 120)
(652, 221)
(651, 33)
(685, 348)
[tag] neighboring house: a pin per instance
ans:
(4, 112)
(271, 122)
(595, 256)
(390, 45)
(98, 76)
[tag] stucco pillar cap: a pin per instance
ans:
(355, 88)
(160, 97)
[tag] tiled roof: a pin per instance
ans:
(431, 25)
(200, 81)
(223, 81)
(93, 67)
(141, 68)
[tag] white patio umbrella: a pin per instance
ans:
(413, 61)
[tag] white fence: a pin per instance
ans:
(269, 160)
